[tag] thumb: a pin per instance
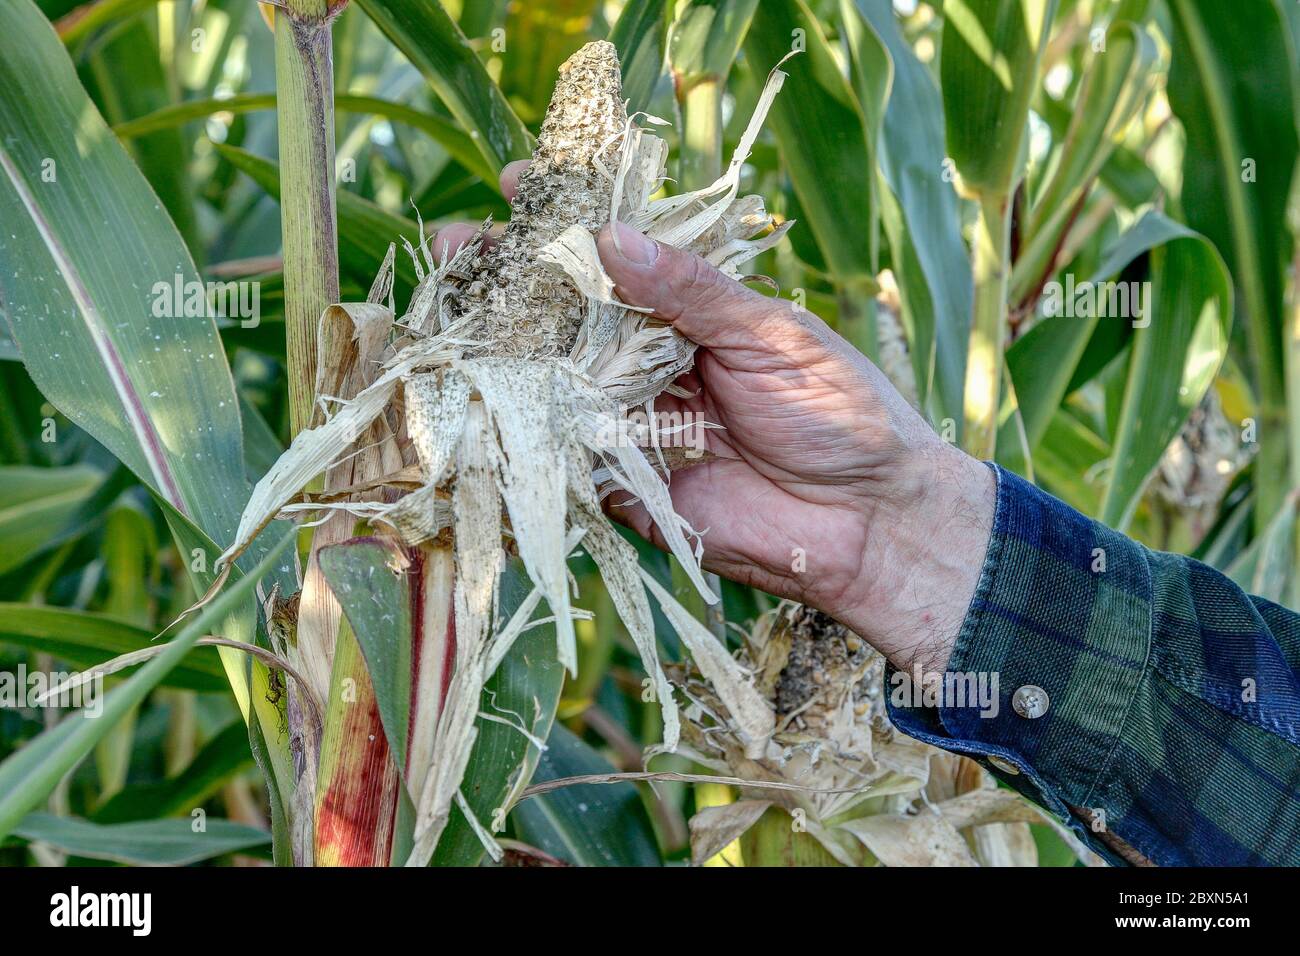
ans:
(709, 308)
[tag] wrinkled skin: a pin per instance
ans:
(827, 487)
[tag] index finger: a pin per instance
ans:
(510, 174)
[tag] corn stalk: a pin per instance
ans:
(991, 265)
(703, 42)
(356, 784)
(992, 54)
(305, 107)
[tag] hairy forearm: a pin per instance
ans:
(922, 560)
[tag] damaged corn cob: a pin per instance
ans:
(508, 381)
(862, 794)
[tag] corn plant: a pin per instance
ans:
(305, 514)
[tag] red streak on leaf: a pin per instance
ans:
(448, 655)
(415, 583)
(354, 821)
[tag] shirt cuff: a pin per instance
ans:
(1050, 656)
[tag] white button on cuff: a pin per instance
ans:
(1006, 766)
(1030, 701)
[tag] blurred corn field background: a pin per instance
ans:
(1064, 228)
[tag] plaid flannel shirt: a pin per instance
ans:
(1173, 697)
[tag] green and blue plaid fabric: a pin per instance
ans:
(1173, 714)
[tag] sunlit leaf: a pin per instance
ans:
(435, 45)
(825, 151)
(989, 69)
(1228, 86)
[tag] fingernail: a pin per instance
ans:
(633, 246)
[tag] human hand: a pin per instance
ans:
(823, 484)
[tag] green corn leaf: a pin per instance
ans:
(1112, 91)
(872, 73)
(365, 230)
(1124, 173)
(1231, 85)
(83, 639)
(989, 71)
(1174, 362)
(29, 775)
(379, 606)
(1267, 566)
(922, 220)
(1274, 577)
(261, 446)
(705, 37)
(480, 16)
(80, 521)
(156, 391)
(442, 131)
(589, 824)
(279, 792)
(1230, 534)
(1177, 347)
(35, 506)
(456, 191)
(640, 34)
(76, 29)
(524, 690)
(1068, 452)
(146, 843)
(1045, 362)
(825, 151)
(131, 81)
(129, 547)
(222, 758)
(435, 45)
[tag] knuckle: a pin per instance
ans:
(700, 286)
